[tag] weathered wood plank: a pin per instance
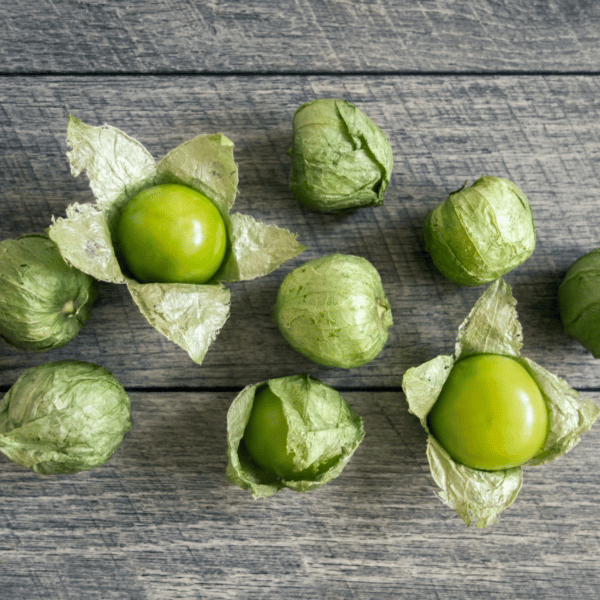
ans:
(299, 35)
(541, 132)
(161, 521)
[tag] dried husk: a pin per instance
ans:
(492, 326)
(118, 168)
(322, 428)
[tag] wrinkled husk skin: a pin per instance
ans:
(481, 232)
(323, 430)
(334, 311)
(43, 301)
(64, 417)
(579, 301)
(341, 160)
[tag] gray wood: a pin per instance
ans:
(299, 35)
(160, 521)
(541, 132)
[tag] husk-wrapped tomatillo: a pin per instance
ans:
(579, 301)
(119, 167)
(44, 302)
(341, 160)
(492, 327)
(481, 232)
(334, 311)
(321, 432)
(64, 417)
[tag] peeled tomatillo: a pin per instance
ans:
(171, 233)
(490, 414)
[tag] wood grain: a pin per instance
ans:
(461, 88)
(541, 132)
(149, 36)
(161, 521)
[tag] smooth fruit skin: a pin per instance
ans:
(490, 414)
(171, 233)
(266, 435)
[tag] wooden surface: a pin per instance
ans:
(461, 89)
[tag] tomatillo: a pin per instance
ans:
(266, 435)
(490, 414)
(171, 233)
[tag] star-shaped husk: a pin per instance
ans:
(492, 326)
(118, 168)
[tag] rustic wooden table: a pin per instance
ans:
(461, 88)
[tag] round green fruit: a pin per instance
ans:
(171, 233)
(491, 414)
(266, 436)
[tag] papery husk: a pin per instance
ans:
(334, 311)
(322, 427)
(64, 417)
(481, 232)
(493, 327)
(119, 167)
(341, 160)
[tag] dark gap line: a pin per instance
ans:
(237, 389)
(400, 73)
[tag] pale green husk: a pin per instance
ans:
(64, 417)
(481, 232)
(341, 160)
(44, 302)
(334, 310)
(119, 167)
(579, 301)
(321, 427)
(492, 326)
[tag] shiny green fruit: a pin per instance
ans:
(490, 414)
(171, 233)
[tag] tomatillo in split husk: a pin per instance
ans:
(491, 414)
(294, 432)
(171, 233)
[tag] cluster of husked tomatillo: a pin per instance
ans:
(293, 432)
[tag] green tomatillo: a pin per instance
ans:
(579, 301)
(481, 232)
(64, 417)
(44, 302)
(165, 229)
(334, 311)
(341, 160)
(291, 432)
(171, 233)
(490, 413)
